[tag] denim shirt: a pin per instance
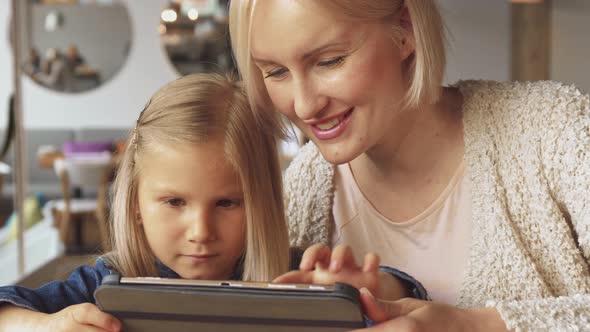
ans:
(57, 295)
(81, 284)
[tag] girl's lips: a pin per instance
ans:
(200, 258)
(332, 128)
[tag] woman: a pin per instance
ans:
(479, 190)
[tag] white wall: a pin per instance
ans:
(570, 43)
(479, 43)
(5, 61)
(478, 39)
(118, 102)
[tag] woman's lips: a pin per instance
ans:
(332, 128)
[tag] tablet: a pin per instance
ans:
(160, 304)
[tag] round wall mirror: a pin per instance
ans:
(195, 35)
(76, 45)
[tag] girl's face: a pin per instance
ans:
(191, 208)
(337, 80)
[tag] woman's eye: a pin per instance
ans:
(175, 202)
(332, 62)
(275, 73)
(227, 203)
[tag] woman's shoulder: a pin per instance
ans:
(533, 104)
(308, 167)
(309, 192)
(531, 94)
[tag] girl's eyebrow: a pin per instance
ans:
(167, 192)
(231, 194)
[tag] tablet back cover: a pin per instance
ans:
(161, 308)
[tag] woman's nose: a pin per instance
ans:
(308, 101)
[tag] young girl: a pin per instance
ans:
(197, 196)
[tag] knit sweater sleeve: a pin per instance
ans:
(309, 192)
(565, 160)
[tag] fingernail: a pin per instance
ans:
(367, 292)
(303, 265)
(334, 265)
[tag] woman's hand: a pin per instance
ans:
(415, 315)
(81, 317)
(321, 265)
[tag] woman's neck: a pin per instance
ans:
(420, 155)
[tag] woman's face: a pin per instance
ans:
(339, 81)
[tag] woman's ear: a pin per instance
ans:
(407, 44)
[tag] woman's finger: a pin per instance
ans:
(374, 309)
(371, 262)
(295, 277)
(314, 254)
(379, 311)
(342, 256)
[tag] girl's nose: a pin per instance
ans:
(308, 101)
(201, 230)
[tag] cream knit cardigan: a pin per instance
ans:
(527, 151)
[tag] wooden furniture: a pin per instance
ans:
(83, 222)
(530, 40)
(58, 268)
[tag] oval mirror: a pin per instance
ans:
(76, 45)
(195, 35)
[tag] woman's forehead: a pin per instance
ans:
(288, 26)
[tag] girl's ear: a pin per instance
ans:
(407, 44)
(138, 219)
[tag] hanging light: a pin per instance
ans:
(193, 14)
(169, 15)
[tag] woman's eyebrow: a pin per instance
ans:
(263, 62)
(319, 49)
(305, 56)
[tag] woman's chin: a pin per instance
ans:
(338, 154)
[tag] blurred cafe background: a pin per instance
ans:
(88, 67)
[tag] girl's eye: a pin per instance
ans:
(275, 73)
(228, 203)
(176, 202)
(332, 62)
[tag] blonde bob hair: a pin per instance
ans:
(187, 111)
(424, 69)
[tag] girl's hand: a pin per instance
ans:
(336, 265)
(415, 315)
(81, 317)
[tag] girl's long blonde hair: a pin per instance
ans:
(187, 111)
(424, 69)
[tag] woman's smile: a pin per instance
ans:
(332, 128)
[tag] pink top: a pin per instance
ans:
(432, 247)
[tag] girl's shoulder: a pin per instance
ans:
(104, 265)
